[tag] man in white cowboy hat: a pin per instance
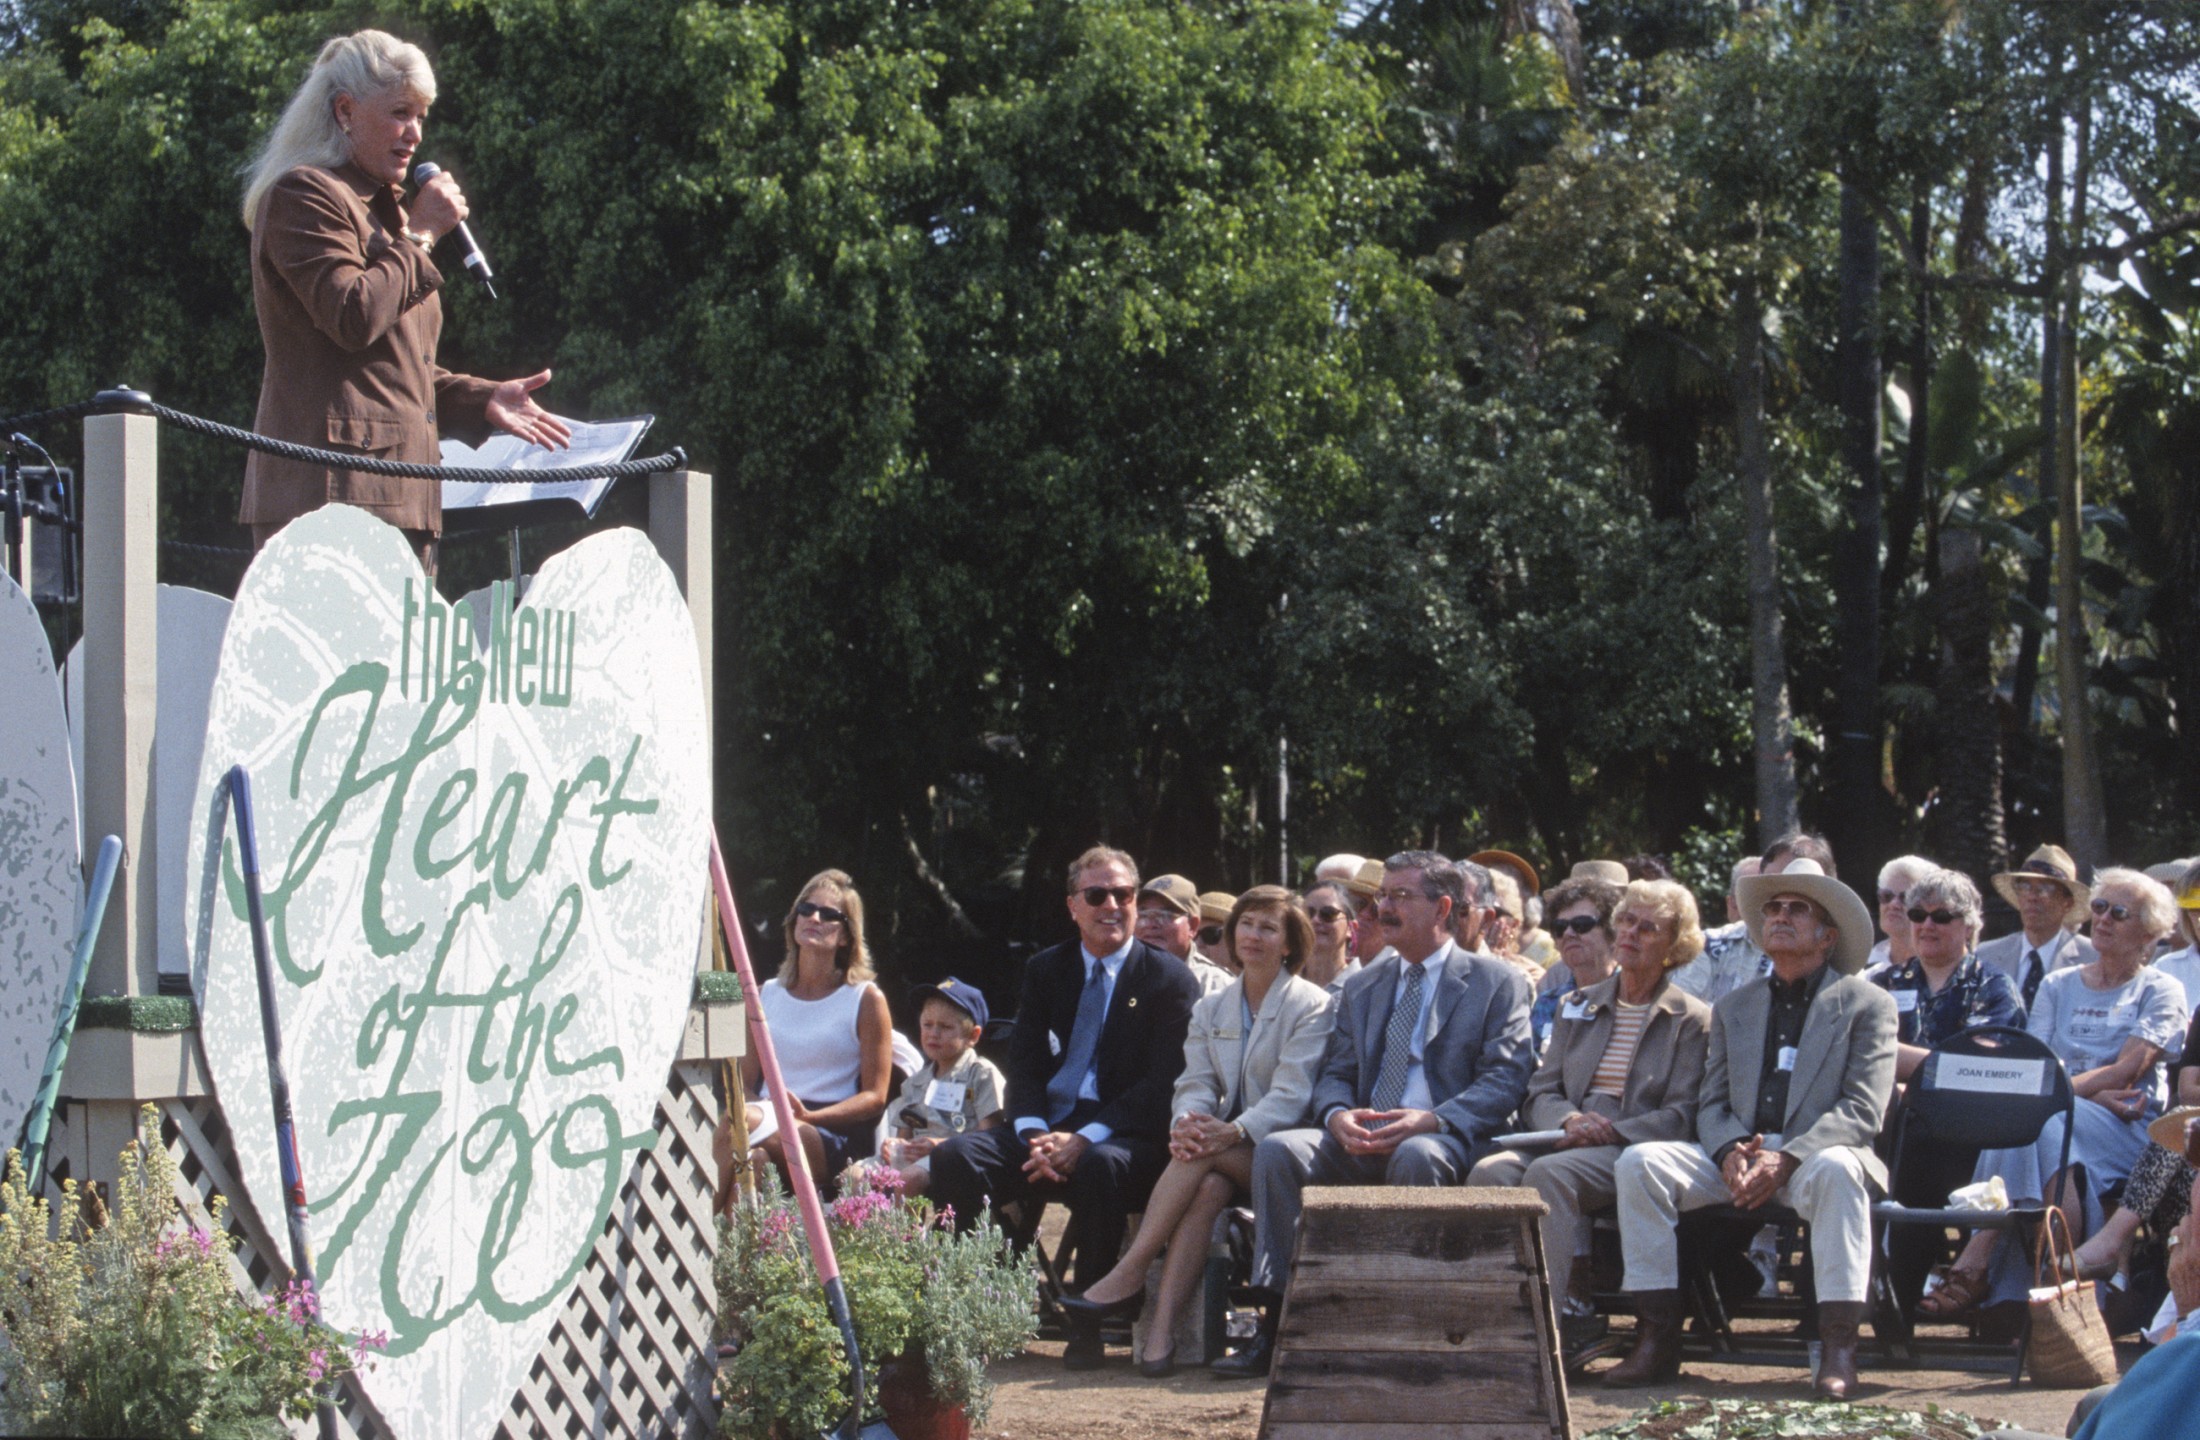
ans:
(1799, 1072)
(2051, 902)
(1730, 960)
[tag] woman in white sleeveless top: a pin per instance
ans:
(833, 1033)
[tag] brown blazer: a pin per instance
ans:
(1662, 1083)
(350, 318)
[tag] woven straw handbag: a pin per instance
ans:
(2070, 1348)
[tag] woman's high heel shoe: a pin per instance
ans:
(1079, 1308)
(1160, 1369)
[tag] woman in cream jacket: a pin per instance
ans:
(1249, 1066)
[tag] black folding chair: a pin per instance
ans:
(1990, 1088)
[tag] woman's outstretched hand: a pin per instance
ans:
(512, 408)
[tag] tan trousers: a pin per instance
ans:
(1571, 1182)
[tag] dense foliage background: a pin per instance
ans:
(1111, 400)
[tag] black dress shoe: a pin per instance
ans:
(1251, 1363)
(1084, 1350)
(1160, 1369)
(1092, 1312)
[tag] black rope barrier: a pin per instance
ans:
(190, 547)
(124, 401)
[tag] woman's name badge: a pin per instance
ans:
(1574, 1010)
(945, 1096)
(1905, 1000)
(1787, 1059)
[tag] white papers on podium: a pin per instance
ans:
(482, 504)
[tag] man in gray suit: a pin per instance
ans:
(2051, 903)
(1799, 1073)
(1428, 1058)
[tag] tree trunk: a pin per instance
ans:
(1771, 723)
(1966, 831)
(2039, 577)
(1909, 502)
(1857, 801)
(2085, 819)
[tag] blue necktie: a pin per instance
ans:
(1405, 1018)
(1084, 1039)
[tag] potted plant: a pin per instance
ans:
(928, 1304)
(128, 1322)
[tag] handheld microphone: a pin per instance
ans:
(477, 262)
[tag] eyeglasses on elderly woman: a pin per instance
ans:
(2113, 912)
(1919, 915)
(1579, 924)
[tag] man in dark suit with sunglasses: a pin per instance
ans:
(1098, 1046)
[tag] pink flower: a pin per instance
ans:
(316, 1364)
(374, 1340)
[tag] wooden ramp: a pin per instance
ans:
(1417, 1314)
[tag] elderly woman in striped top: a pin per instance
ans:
(1624, 1063)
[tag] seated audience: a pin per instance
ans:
(1531, 941)
(1624, 1065)
(1249, 1064)
(1727, 964)
(2110, 1020)
(1099, 1043)
(834, 1036)
(1799, 1071)
(1367, 888)
(2051, 903)
(1329, 906)
(1895, 879)
(1581, 922)
(955, 1091)
(1507, 917)
(1427, 1059)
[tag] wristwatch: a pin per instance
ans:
(419, 237)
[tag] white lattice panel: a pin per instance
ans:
(629, 1356)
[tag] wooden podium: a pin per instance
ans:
(1418, 1314)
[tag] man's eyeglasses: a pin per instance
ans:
(1327, 914)
(1402, 894)
(1579, 924)
(809, 910)
(1210, 934)
(1794, 909)
(1919, 915)
(2040, 889)
(2113, 912)
(1099, 895)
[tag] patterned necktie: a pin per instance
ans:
(2033, 970)
(1405, 1017)
(1084, 1039)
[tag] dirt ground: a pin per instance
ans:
(1038, 1400)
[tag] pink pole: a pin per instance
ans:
(798, 1164)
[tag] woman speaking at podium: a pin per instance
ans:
(347, 298)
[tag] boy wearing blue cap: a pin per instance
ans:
(956, 1092)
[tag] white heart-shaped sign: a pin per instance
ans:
(39, 852)
(483, 843)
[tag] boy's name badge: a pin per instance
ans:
(1905, 1000)
(945, 1096)
(1787, 1058)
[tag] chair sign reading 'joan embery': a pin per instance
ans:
(1417, 1313)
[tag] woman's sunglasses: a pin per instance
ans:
(2113, 912)
(1919, 915)
(1327, 914)
(1579, 924)
(810, 911)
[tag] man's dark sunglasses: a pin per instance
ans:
(1210, 934)
(1099, 895)
(1579, 924)
(808, 910)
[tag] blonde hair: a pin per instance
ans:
(362, 65)
(1668, 900)
(853, 958)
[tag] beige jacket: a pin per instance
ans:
(1281, 1055)
(1663, 1083)
(1843, 1076)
